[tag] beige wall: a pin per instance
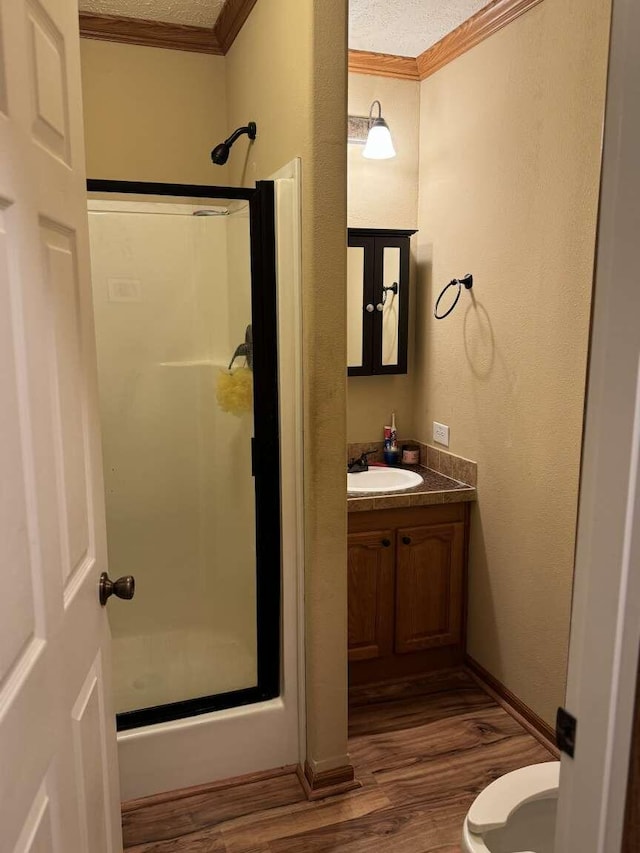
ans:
(383, 194)
(509, 170)
(273, 77)
(152, 114)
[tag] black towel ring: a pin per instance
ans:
(466, 280)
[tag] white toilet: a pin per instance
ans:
(516, 813)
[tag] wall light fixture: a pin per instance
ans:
(374, 133)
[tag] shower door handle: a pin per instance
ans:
(124, 587)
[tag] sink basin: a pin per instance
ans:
(382, 480)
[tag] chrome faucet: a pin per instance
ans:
(357, 466)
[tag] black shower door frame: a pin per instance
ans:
(265, 444)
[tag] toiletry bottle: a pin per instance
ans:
(391, 451)
(387, 438)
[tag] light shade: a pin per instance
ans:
(379, 143)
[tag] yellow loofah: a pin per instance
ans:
(235, 390)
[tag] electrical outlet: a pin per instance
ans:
(441, 433)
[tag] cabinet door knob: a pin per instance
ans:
(379, 307)
(370, 308)
(386, 542)
(406, 540)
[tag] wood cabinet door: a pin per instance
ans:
(371, 558)
(429, 586)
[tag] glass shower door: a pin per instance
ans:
(182, 309)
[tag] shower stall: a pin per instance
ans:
(184, 279)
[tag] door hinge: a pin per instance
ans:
(566, 725)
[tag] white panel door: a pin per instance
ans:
(605, 619)
(58, 779)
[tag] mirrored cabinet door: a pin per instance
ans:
(377, 301)
(390, 303)
(359, 266)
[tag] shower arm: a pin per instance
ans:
(250, 130)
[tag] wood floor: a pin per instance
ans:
(422, 754)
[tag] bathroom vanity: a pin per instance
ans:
(407, 559)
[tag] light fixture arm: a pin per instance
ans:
(373, 118)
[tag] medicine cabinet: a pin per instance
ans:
(377, 301)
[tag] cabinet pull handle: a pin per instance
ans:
(386, 542)
(370, 308)
(406, 540)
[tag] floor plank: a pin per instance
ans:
(208, 841)
(422, 750)
(472, 731)
(321, 815)
(165, 821)
(414, 702)
(410, 828)
(464, 774)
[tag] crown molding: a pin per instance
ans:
(148, 33)
(230, 21)
(383, 65)
(476, 29)
(217, 40)
(471, 32)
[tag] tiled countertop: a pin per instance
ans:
(436, 489)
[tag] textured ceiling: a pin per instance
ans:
(198, 13)
(405, 27)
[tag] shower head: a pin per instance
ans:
(220, 153)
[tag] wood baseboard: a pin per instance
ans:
(328, 783)
(515, 707)
(207, 788)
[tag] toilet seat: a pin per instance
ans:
(493, 807)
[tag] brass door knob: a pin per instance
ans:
(124, 587)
